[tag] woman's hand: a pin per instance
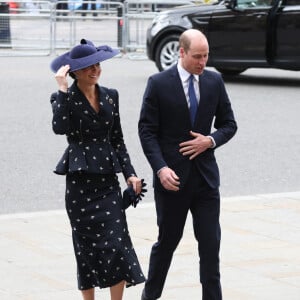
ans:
(61, 78)
(136, 190)
(136, 183)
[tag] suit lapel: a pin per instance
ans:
(178, 91)
(80, 99)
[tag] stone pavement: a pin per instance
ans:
(259, 253)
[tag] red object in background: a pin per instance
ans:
(13, 5)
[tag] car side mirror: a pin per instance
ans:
(231, 3)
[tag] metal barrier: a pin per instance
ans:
(33, 27)
(28, 29)
(45, 27)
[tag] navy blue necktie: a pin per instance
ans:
(193, 99)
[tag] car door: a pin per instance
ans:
(287, 45)
(237, 35)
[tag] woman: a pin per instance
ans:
(88, 114)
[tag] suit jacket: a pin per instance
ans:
(165, 123)
(95, 140)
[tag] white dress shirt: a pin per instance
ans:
(184, 77)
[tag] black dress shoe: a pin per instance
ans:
(144, 296)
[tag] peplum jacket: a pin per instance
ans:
(95, 140)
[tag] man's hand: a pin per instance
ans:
(169, 179)
(197, 145)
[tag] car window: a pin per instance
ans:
(292, 2)
(253, 3)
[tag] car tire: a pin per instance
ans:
(231, 71)
(167, 52)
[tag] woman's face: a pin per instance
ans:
(89, 75)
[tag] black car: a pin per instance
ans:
(242, 34)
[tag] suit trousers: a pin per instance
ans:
(172, 208)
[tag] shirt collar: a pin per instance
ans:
(184, 74)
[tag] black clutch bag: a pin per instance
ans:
(130, 198)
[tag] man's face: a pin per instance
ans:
(195, 59)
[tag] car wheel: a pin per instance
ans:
(231, 71)
(167, 52)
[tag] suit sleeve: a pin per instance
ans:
(148, 127)
(61, 114)
(224, 123)
(117, 141)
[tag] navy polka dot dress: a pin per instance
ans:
(96, 152)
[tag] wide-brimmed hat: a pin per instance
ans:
(83, 55)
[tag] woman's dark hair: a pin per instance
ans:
(72, 75)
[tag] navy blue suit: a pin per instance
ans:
(165, 123)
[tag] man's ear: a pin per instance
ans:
(181, 52)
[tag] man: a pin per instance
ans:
(181, 153)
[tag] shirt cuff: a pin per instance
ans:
(157, 173)
(213, 141)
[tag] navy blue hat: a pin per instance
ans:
(83, 55)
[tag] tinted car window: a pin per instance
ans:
(292, 2)
(255, 3)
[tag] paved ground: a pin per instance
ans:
(259, 258)
(260, 234)
(260, 242)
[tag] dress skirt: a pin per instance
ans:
(103, 249)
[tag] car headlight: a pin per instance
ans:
(159, 22)
(161, 17)
(163, 20)
(185, 22)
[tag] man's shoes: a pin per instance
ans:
(144, 296)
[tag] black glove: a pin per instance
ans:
(130, 197)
